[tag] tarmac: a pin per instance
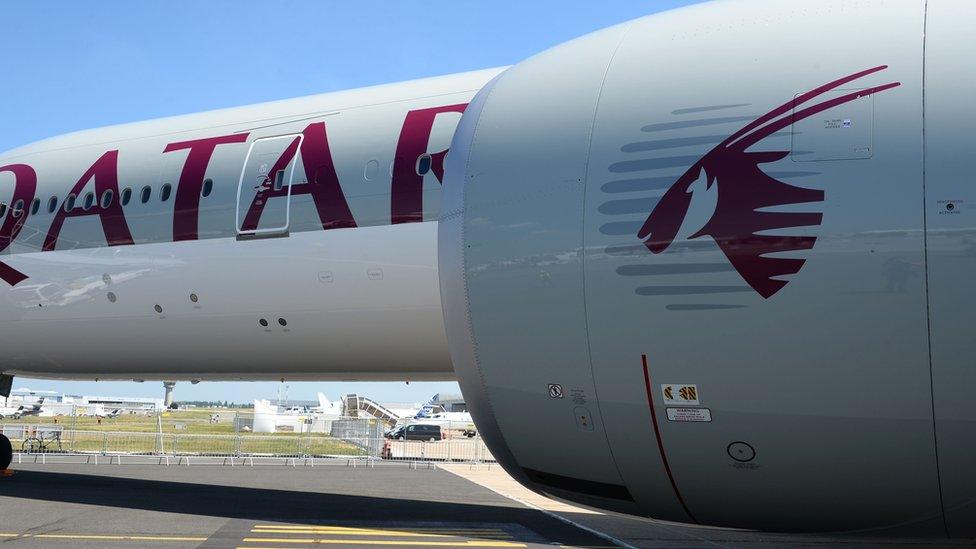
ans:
(60, 504)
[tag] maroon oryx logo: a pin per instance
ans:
(744, 190)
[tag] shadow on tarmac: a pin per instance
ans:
(303, 505)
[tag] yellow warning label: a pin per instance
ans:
(681, 394)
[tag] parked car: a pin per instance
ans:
(417, 431)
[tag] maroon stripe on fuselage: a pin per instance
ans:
(660, 443)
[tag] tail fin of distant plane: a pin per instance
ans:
(324, 402)
(426, 409)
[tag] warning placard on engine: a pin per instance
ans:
(689, 414)
(680, 394)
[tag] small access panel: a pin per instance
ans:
(264, 190)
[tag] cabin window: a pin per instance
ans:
(370, 171)
(125, 196)
(35, 206)
(423, 164)
(52, 204)
(69, 202)
(89, 201)
(165, 192)
(3, 209)
(18, 208)
(107, 198)
(146, 194)
(207, 188)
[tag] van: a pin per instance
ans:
(418, 431)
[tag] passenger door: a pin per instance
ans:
(264, 189)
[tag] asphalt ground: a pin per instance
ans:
(328, 505)
(81, 505)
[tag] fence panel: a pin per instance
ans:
(85, 442)
(205, 445)
(351, 438)
(287, 446)
(329, 446)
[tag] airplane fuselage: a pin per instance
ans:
(291, 239)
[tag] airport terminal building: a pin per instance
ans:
(54, 399)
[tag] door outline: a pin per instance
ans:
(283, 230)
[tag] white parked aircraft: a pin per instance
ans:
(714, 265)
(35, 409)
(460, 417)
(426, 409)
(414, 411)
(327, 408)
(110, 415)
(453, 421)
(268, 417)
(433, 414)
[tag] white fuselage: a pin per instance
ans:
(448, 420)
(330, 271)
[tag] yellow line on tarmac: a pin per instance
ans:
(469, 543)
(107, 537)
(2, 535)
(397, 533)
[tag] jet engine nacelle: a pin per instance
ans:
(683, 265)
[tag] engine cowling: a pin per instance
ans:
(680, 266)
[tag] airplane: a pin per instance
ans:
(452, 416)
(411, 412)
(431, 414)
(426, 409)
(109, 415)
(427, 414)
(267, 415)
(36, 409)
(651, 259)
(455, 421)
(327, 408)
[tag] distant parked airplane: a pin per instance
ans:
(327, 408)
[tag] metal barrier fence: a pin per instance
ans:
(352, 443)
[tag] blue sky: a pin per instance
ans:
(69, 66)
